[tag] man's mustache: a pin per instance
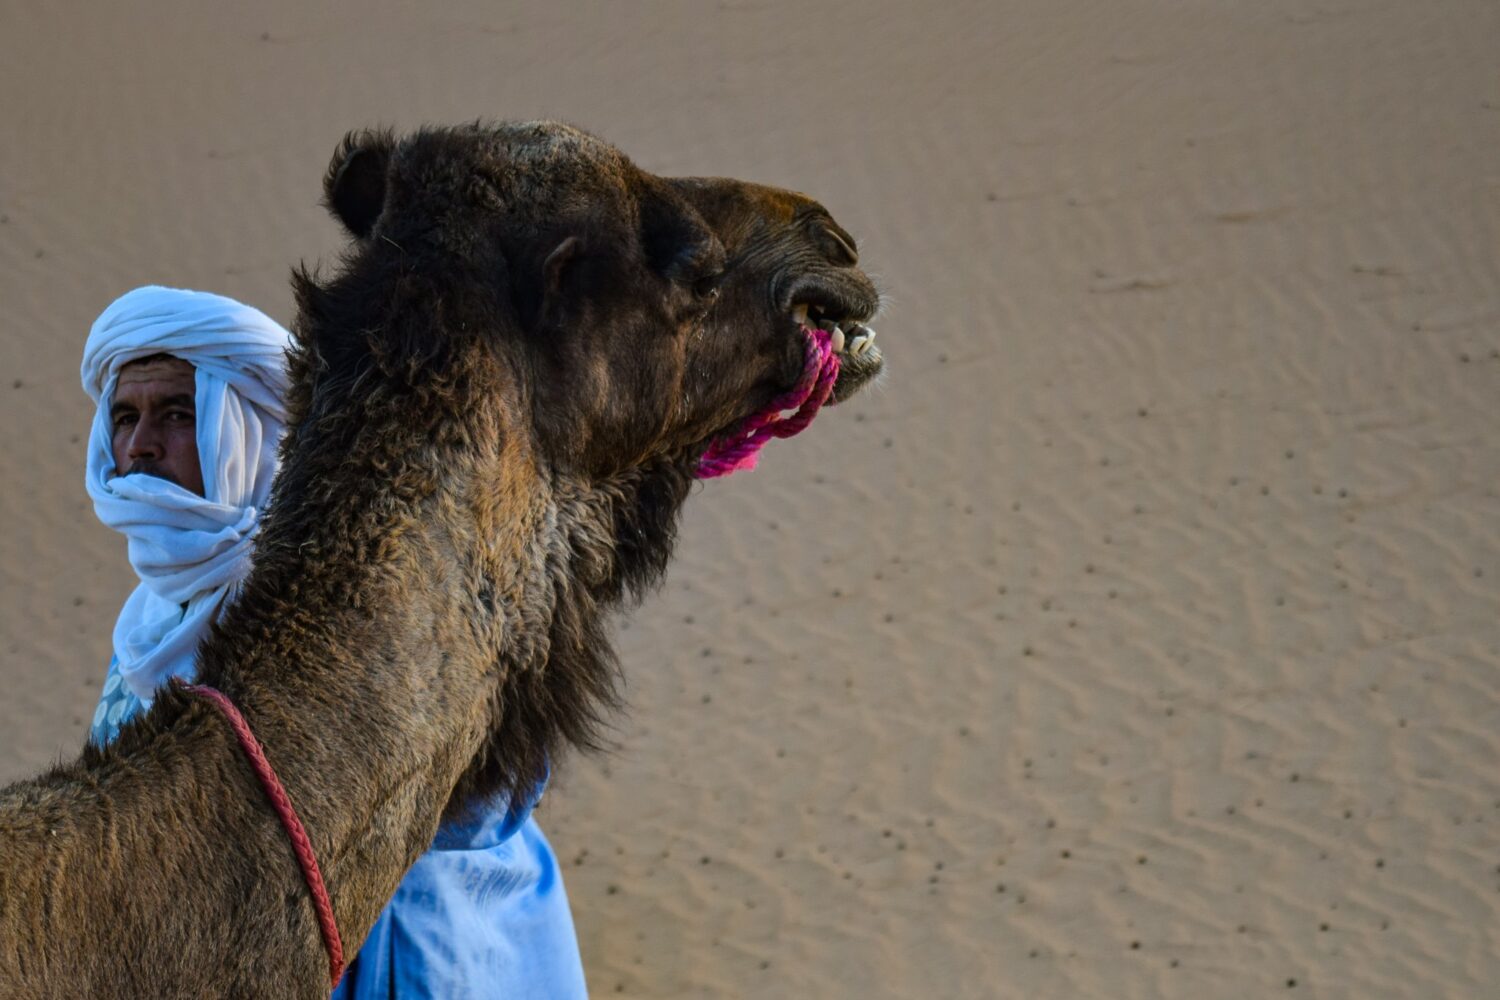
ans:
(142, 468)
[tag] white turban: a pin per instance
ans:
(187, 550)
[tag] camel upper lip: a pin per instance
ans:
(831, 301)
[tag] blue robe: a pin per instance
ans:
(482, 914)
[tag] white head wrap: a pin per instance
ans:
(188, 550)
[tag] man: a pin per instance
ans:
(182, 452)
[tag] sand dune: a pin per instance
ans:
(1138, 638)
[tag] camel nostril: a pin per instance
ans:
(838, 246)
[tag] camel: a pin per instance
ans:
(498, 402)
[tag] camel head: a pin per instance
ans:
(648, 314)
(524, 310)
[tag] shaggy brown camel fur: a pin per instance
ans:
(498, 404)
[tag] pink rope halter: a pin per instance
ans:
(740, 448)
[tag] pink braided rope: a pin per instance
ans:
(740, 448)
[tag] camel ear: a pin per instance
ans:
(554, 272)
(355, 184)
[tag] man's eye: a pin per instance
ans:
(124, 420)
(180, 415)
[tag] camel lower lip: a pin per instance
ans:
(855, 371)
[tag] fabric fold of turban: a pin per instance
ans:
(187, 550)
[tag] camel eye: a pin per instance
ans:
(707, 286)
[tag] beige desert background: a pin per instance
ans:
(1138, 637)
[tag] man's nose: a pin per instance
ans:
(146, 441)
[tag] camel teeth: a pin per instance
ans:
(836, 336)
(799, 313)
(858, 344)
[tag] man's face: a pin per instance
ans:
(154, 419)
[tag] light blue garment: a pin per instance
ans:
(482, 914)
(116, 704)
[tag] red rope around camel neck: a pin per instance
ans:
(740, 448)
(301, 846)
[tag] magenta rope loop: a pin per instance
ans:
(740, 448)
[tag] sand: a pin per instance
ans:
(1136, 638)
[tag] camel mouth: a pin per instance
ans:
(851, 338)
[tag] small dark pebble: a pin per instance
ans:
(1135, 946)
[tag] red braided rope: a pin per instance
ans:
(301, 846)
(740, 448)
